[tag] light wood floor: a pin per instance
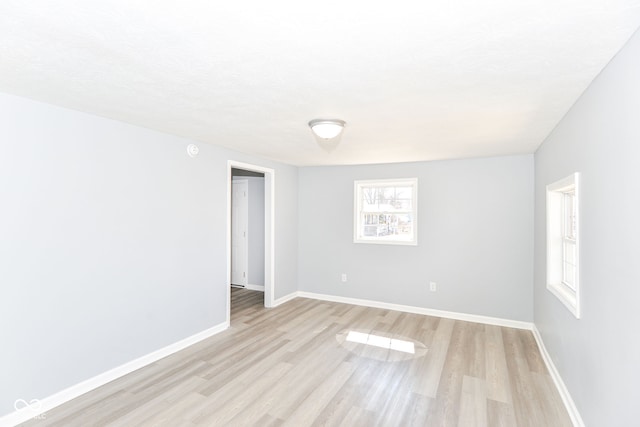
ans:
(292, 366)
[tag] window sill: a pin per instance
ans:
(566, 297)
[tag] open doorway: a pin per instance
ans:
(247, 229)
(250, 255)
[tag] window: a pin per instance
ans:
(562, 242)
(386, 211)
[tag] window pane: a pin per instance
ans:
(369, 198)
(569, 275)
(569, 252)
(385, 211)
(569, 216)
(388, 194)
(569, 257)
(404, 192)
(386, 199)
(404, 205)
(386, 225)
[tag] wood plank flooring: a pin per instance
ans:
(294, 366)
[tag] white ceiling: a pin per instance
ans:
(415, 80)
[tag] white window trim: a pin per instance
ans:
(391, 183)
(569, 297)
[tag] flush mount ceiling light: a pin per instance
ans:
(327, 128)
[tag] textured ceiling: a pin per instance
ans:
(415, 80)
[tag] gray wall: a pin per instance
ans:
(286, 225)
(255, 236)
(112, 244)
(598, 356)
(475, 237)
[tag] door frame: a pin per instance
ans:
(269, 231)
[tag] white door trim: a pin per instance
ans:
(269, 231)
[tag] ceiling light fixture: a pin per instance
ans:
(327, 128)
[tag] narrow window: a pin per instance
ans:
(385, 211)
(562, 242)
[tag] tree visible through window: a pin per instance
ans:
(385, 211)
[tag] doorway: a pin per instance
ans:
(239, 229)
(250, 262)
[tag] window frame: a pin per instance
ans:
(358, 185)
(560, 235)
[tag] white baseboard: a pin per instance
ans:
(254, 287)
(285, 298)
(63, 396)
(421, 310)
(576, 419)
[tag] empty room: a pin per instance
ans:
(331, 214)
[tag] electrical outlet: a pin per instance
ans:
(433, 286)
(344, 277)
